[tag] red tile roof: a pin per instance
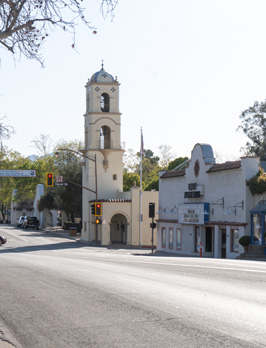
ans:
(225, 166)
(173, 173)
(215, 168)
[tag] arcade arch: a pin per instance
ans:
(118, 229)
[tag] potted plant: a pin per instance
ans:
(244, 241)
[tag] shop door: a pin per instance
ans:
(209, 240)
(223, 244)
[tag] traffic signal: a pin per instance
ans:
(151, 210)
(93, 208)
(97, 221)
(98, 209)
(50, 179)
(153, 225)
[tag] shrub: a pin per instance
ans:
(244, 240)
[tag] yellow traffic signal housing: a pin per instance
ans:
(98, 209)
(49, 179)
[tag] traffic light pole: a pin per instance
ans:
(152, 235)
(96, 237)
(153, 224)
(74, 183)
(93, 159)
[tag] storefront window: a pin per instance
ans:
(197, 239)
(171, 242)
(234, 239)
(163, 237)
(257, 228)
(178, 238)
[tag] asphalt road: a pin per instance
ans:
(57, 292)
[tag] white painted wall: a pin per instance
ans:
(229, 185)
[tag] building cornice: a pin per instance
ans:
(226, 223)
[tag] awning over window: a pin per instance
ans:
(260, 208)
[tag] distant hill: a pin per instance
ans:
(35, 157)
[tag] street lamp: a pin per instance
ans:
(91, 158)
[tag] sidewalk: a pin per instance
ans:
(5, 344)
(59, 231)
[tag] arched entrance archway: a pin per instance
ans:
(118, 229)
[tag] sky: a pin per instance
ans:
(187, 70)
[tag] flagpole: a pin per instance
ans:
(140, 192)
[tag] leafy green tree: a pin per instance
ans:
(176, 162)
(253, 125)
(153, 185)
(151, 166)
(8, 161)
(129, 179)
(26, 187)
(68, 163)
(257, 184)
(148, 154)
(47, 201)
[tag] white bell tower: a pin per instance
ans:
(103, 172)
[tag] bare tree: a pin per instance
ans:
(5, 132)
(42, 144)
(25, 24)
(165, 155)
(131, 161)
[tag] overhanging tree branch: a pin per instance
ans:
(17, 33)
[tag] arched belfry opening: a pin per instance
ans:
(105, 102)
(105, 138)
(118, 229)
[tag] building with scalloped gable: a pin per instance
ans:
(206, 207)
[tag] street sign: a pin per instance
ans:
(60, 184)
(59, 178)
(18, 173)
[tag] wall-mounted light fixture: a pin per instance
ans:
(174, 210)
(239, 205)
(167, 210)
(219, 202)
(232, 209)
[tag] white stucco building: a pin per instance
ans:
(124, 214)
(205, 208)
(47, 217)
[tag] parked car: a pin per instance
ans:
(31, 222)
(20, 221)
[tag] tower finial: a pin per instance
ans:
(102, 64)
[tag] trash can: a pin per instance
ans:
(73, 231)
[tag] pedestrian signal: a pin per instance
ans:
(49, 179)
(97, 221)
(151, 210)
